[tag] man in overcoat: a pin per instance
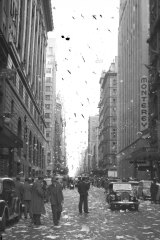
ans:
(55, 195)
(37, 201)
(83, 188)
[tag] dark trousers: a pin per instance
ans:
(36, 219)
(27, 204)
(153, 197)
(83, 201)
(56, 214)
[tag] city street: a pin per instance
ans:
(100, 223)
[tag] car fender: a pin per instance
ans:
(3, 209)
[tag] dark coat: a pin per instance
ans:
(55, 194)
(153, 189)
(37, 201)
(83, 188)
(19, 188)
(27, 191)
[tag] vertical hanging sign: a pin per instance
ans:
(143, 103)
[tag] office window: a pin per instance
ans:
(48, 106)
(20, 89)
(50, 51)
(48, 88)
(48, 124)
(114, 82)
(47, 115)
(48, 134)
(48, 70)
(48, 79)
(31, 107)
(26, 99)
(48, 97)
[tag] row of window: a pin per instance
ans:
(29, 104)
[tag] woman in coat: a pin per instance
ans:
(37, 201)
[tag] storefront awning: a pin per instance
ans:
(9, 140)
(146, 153)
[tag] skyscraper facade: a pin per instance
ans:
(50, 104)
(108, 118)
(132, 80)
(23, 39)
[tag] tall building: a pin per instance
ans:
(93, 123)
(154, 90)
(95, 153)
(132, 84)
(108, 118)
(23, 39)
(50, 104)
(60, 164)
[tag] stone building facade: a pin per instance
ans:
(154, 88)
(132, 87)
(23, 40)
(108, 118)
(50, 105)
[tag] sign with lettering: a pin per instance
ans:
(143, 103)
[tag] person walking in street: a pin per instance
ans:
(83, 188)
(19, 188)
(153, 190)
(55, 195)
(27, 198)
(37, 201)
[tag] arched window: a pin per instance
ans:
(12, 107)
(30, 147)
(37, 156)
(34, 151)
(19, 133)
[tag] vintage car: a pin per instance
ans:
(10, 205)
(121, 196)
(144, 189)
(135, 185)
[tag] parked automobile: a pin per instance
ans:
(144, 189)
(10, 205)
(135, 185)
(121, 196)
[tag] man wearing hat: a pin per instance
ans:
(55, 195)
(83, 188)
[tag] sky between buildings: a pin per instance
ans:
(86, 33)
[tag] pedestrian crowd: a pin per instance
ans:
(35, 193)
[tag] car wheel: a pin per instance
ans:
(3, 223)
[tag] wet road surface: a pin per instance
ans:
(101, 223)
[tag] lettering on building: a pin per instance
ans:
(143, 103)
